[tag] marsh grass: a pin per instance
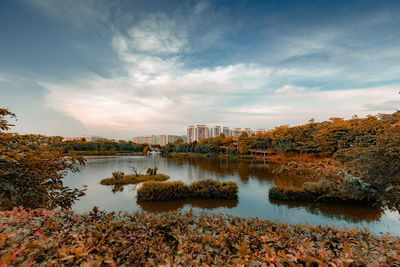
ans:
(133, 179)
(207, 189)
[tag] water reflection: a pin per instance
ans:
(206, 204)
(253, 178)
(201, 168)
(349, 212)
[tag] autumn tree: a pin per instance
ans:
(243, 143)
(32, 168)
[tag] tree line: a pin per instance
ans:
(331, 138)
(102, 144)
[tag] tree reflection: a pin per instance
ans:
(349, 212)
(198, 167)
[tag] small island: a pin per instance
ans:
(206, 189)
(120, 179)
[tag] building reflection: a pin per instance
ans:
(203, 168)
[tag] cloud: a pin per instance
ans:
(192, 63)
(25, 98)
(160, 93)
(290, 105)
(158, 34)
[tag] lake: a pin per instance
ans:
(253, 179)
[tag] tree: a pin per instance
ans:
(379, 165)
(32, 168)
(243, 142)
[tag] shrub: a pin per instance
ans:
(207, 189)
(155, 190)
(290, 194)
(204, 189)
(228, 190)
(60, 238)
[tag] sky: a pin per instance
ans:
(119, 69)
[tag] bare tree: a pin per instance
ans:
(136, 170)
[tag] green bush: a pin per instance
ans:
(207, 189)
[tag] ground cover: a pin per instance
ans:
(34, 237)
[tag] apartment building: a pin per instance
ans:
(191, 134)
(201, 132)
(214, 131)
(156, 139)
(167, 139)
(249, 131)
(260, 131)
(226, 131)
(236, 132)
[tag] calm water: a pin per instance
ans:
(254, 180)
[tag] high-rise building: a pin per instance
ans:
(191, 134)
(201, 132)
(138, 139)
(214, 131)
(249, 131)
(167, 138)
(163, 140)
(237, 132)
(226, 131)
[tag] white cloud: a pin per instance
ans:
(297, 105)
(158, 34)
(160, 93)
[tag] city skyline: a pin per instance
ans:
(126, 68)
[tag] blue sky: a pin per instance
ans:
(124, 68)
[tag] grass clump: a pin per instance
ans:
(162, 191)
(290, 194)
(119, 178)
(207, 189)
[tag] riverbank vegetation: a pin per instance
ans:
(101, 147)
(206, 189)
(35, 237)
(356, 181)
